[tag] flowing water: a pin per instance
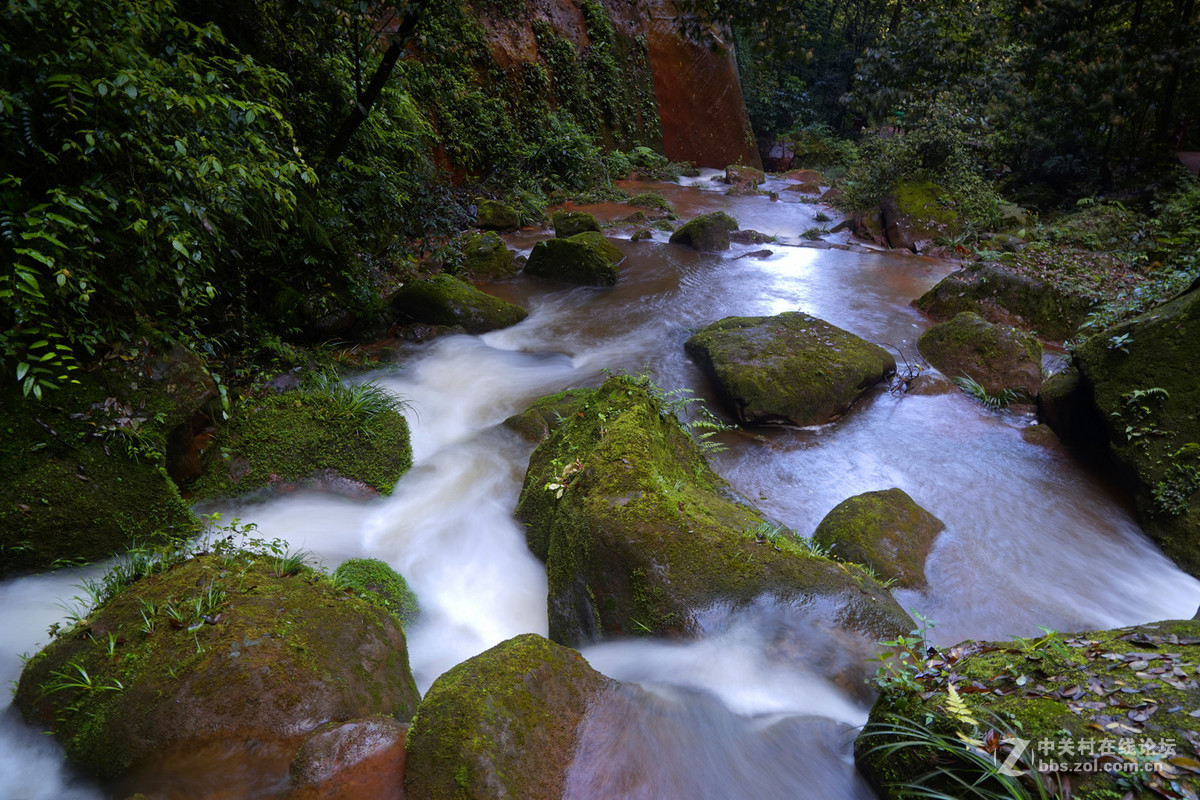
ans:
(764, 703)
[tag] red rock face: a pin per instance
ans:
(700, 99)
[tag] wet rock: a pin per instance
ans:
(708, 232)
(790, 368)
(884, 530)
(1007, 298)
(997, 357)
(744, 180)
(495, 216)
(569, 223)
(750, 237)
(545, 415)
(809, 176)
(641, 235)
(351, 760)
(1065, 406)
(446, 300)
(912, 213)
(256, 653)
(502, 724)
(639, 535)
(585, 258)
(485, 255)
(1141, 375)
(1105, 703)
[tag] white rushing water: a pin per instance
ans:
(1032, 536)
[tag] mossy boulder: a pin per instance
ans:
(1147, 393)
(496, 216)
(306, 437)
(545, 414)
(376, 582)
(1006, 297)
(743, 180)
(913, 215)
(502, 724)
(708, 232)
(997, 357)
(446, 300)
(568, 223)
(485, 255)
(1094, 701)
(255, 655)
(886, 531)
(791, 368)
(585, 258)
(639, 534)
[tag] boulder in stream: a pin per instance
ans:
(586, 258)
(446, 300)
(496, 216)
(791, 368)
(485, 255)
(233, 645)
(708, 232)
(996, 357)
(1142, 378)
(502, 724)
(885, 531)
(569, 223)
(1111, 706)
(639, 535)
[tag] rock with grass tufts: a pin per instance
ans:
(791, 368)
(640, 536)
(885, 531)
(998, 358)
(502, 724)
(707, 232)
(223, 646)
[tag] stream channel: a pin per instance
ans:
(764, 704)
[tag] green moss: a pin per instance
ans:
(547, 413)
(579, 259)
(275, 652)
(375, 581)
(293, 436)
(486, 255)
(502, 723)
(707, 232)
(569, 223)
(644, 533)
(884, 530)
(445, 300)
(493, 215)
(997, 357)
(791, 367)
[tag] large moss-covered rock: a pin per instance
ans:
(569, 223)
(446, 300)
(1108, 704)
(307, 437)
(1053, 309)
(258, 653)
(502, 724)
(639, 534)
(790, 368)
(1142, 376)
(913, 216)
(545, 414)
(995, 356)
(485, 255)
(496, 216)
(709, 232)
(585, 258)
(884, 530)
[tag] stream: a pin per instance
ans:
(764, 704)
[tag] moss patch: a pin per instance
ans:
(486, 255)
(789, 368)
(502, 724)
(997, 357)
(252, 655)
(373, 580)
(581, 259)
(547, 413)
(709, 232)
(446, 300)
(638, 533)
(496, 216)
(569, 223)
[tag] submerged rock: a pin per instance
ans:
(639, 534)
(486, 255)
(586, 258)
(998, 358)
(1006, 297)
(241, 647)
(502, 724)
(709, 232)
(1142, 377)
(885, 531)
(1107, 704)
(790, 368)
(446, 300)
(569, 223)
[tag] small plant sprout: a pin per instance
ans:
(290, 563)
(560, 484)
